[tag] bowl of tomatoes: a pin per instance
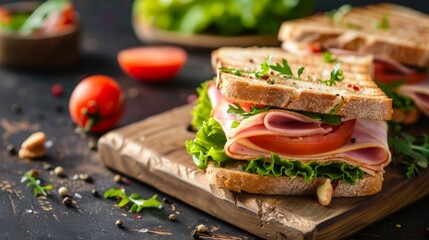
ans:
(34, 35)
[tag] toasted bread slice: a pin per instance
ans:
(355, 97)
(388, 30)
(231, 177)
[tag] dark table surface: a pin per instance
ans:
(107, 30)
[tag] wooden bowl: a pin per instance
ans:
(149, 34)
(38, 51)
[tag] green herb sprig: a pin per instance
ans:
(36, 183)
(383, 23)
(138, 203)
(328, 58)
(336, 75)
(337, 15)
(409, 150)
(258, 72)
(285, 69)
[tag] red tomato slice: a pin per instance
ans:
(245, 105)
(308, 145)
(152, 64)
(97, 103)
(384, 75)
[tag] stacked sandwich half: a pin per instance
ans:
(397, 37)
(278, 123)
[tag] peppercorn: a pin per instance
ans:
(63, 191)
(172, 217)
(34, 173)
(59, 171)
(85, 177)
(67, 201)
(353, 140)
(11, 149)
(95, 193)
(118, 178)
(119, 223)
(15, 108)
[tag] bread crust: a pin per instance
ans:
(368, 103)
(232, 178)
(405, 117)
(405, 39)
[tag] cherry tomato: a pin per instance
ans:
(97, 103)
(385, 75)
(152, 64)
(315, 144)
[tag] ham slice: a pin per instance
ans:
(419, 93)
(370, 151)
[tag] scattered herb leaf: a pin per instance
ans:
(398, 101)
(409, 150)
(38, 188)
(336, 75)
(235, 124)
(337, 15)
(328, 58)
(383, 24)
(137, 202)
(300, 71)
(283, 70)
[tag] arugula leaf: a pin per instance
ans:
(283, 70)
(336, 75)
(259, 73)
(383, 24)
(138, 203)
(328, 58)
(208, 145)
(36, 183)
(408, 150)
(325, 118)
(237, 109)
(201, 112)
(398, 101)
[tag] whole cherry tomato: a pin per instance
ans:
(97, 104)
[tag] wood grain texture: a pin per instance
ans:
(153, 151)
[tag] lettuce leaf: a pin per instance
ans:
(210, 140)
(202, 109)
(208, 145)
(284, 167)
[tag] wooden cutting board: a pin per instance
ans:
(153, 151)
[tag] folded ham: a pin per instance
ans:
(370, 151)
(419, 93)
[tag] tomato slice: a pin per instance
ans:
(152, 64)
(308, 145)
(245, 105)
(385, 75)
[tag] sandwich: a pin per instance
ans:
(397, 37)
(273, 122)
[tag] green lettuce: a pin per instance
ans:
(202, 109)
(208, 145)
(283, 167)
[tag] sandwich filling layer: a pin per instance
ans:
(228, 137)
